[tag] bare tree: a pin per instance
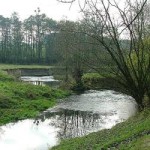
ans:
(109, 22)
(71, 50)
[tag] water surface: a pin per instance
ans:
(41, 80)
(77, 116)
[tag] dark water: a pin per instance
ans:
(79, 115)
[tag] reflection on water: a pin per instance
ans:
(41, 80)
(79, 115)
(77, 123)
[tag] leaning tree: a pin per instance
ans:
(110, 22)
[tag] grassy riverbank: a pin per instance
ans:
(133, 134)
(98, 82)
(21, 100)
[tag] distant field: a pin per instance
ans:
(10, 66)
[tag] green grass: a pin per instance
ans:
(139, 143)
(5, 77)
(92, 76)
(10, 66)
(20, 100)
(122, 136)
(98, 82)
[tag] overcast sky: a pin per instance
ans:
(51, 8)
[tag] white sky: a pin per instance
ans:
(51, 8)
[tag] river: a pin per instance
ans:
(41, 80)
(76, 116)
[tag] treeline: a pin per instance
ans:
(28, 41)
(42, 40)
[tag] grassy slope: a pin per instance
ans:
(21, 100)
(133, 134)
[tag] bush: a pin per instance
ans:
(5, 102)
(5, 77)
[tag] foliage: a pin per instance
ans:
(28, 41)
(5, 77)
(105, 27)
(104, 35)
(98, 40)
(141, 64)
